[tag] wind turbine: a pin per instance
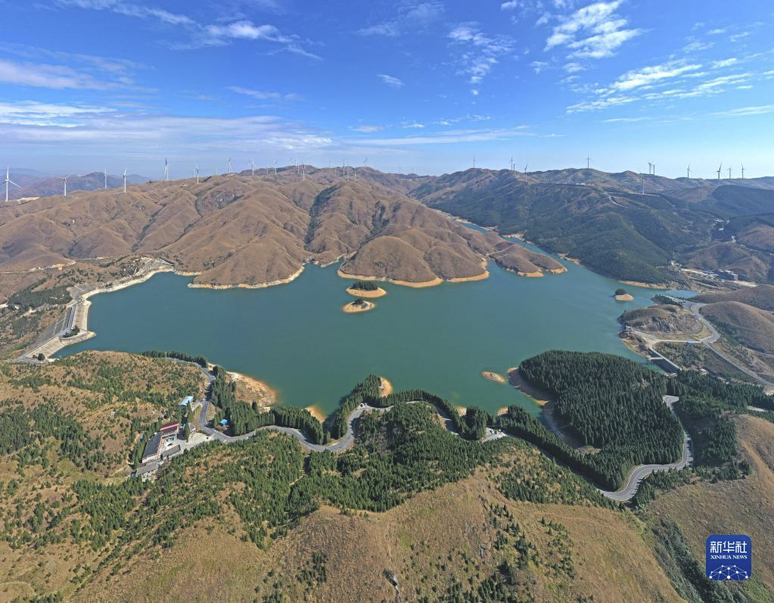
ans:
(124, 180)
(588, 163)
(526, 167)
(650, 168)
(252, 168)
(743, 171)
(65, 184)
(275, 167)
(513, 168)
(654, 168)
(105, 179)
(729, 172)
(228, 165)
(719, 170)
(8, 181)
(196, 172)
(689, 170)
(166, 169)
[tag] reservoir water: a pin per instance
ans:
(296, 338)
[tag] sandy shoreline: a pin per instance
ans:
(366, 294)
(623, 298)
(283, 281)
(645, 285)
(495, 377)
(315, 411)
(540, 398)
(266, 395)
(351, 308)
(421, 285)
(385, 388)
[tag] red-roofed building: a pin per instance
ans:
(169, 432)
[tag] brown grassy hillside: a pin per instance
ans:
(746, 325)
(733, 507)
(761, 297)
(428, 543)
(237, 229)
(665, 320)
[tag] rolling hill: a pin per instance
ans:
(239, 230)
(46, 186)
(606, 222)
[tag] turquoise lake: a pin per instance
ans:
(296, 338)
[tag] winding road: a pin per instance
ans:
(640, 472)
(636, 475)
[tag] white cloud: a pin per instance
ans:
(512, 5)
(481, 52)
(538, 66)
(200, 34)
(599, 104)
(746, 111)
(390, 80)
(261, 95)
(411, 15)
(452, 137)
(647, 76)
(594, 31)
(724, 63)
(105, 131)
(57, 77)
(246, 30)
(367, 129)
(33, 113)
(130, 9)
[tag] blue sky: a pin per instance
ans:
(87, 85)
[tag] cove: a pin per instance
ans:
(296, 338)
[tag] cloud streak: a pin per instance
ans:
(595, 31)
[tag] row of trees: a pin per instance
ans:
(200, 360)
(244, 417)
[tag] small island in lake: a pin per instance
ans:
(366, 289)
(494, 377)
(622, 295)
(359, 305)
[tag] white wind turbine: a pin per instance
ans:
(105, 179)
(275, 167)
(228, 166)
(252, 168)
(729, 172)
(526, 167)
(719, 170)
(743, 171)
(8, 181)
(689, 170)
(65, 184)
(124, 181)
(166, 169)
(196, 172)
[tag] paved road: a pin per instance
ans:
(713, 337)
(695, 308)
(642, 471)
(624, 494)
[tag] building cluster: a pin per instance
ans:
(161, 447)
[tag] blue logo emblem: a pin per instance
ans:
(729, 557)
